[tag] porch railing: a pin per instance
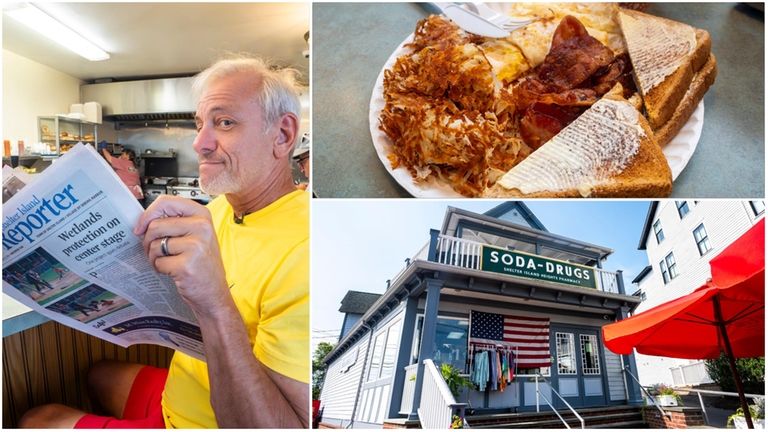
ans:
(458, 252)
(463, 253)
(409, 388)
(607, 281)
(437, 405)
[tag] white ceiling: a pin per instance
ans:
(151, 39)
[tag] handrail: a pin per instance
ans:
(553, 408)
(656, 404)
(719, 393)
(434, 408)
(581, 419)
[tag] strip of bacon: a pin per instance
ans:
(576, 72)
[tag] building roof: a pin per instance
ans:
(358, 302)
(648, 223)
(525, 212)
(643, 273)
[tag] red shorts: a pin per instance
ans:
(142, 409)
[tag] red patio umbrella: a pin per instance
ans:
(726, 314)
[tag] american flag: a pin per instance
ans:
(529, 335)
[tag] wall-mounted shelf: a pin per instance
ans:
(62, 133)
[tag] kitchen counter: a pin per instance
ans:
(353, 41)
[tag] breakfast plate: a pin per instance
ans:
(678, 151)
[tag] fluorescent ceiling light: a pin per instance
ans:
(455, 335)
(47, 26)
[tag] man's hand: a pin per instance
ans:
(193, 260)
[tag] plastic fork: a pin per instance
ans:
(495, 17)
(477, 18)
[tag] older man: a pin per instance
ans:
(241, 264)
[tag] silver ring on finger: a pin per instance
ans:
(164, 246)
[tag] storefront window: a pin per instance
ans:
(450, 342)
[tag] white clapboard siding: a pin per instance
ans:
(724, 222)
(614, 374)
(340, 388)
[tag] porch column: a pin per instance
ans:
(427, 346)
(403, 356)
(633, 388)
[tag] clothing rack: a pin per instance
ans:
(498, 347)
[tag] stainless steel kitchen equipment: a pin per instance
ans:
(152, 191)
(188, 187)
(143, 100)
(185, 187)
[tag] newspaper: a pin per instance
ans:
(69, 253)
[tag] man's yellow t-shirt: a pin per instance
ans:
(266, 259)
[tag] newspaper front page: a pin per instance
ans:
(69, 253)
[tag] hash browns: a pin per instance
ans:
(445, 112)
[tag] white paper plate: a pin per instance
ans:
(678, 151)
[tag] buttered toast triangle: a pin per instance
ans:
(609, 151)
(703, 79)
(666, 56)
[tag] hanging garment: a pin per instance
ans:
(494, 372)
(480, 373)
(502, 383)
(511, 358)
(505, 367)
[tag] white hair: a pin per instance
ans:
(279, 92)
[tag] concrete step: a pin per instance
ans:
(639, 424)
(605, 417)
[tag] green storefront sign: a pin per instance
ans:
(536, 267)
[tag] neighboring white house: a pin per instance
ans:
(680, 238)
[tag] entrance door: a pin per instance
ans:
(578, 372)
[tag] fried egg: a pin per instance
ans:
(534, 39)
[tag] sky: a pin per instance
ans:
(359, 244)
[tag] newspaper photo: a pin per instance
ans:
(69, 253)
(14, 179)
